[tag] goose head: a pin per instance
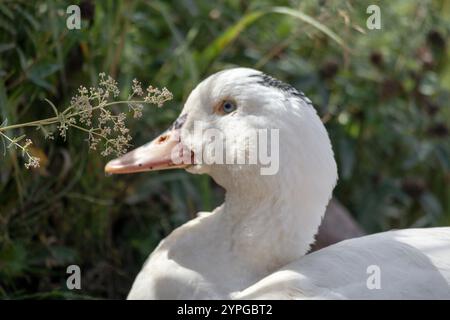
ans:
(229, 118)
(245, 129)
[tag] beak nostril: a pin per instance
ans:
(162, 138)
(155, 155)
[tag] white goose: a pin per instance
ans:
(253, 246)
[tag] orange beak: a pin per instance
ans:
(164, 152)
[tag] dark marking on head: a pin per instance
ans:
(268, 81)
(179, 122)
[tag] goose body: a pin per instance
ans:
(254, 245)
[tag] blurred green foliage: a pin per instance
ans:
(384, 95)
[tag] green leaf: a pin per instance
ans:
(431, 205)
(38, 74)
(444, 157)
(5, 10)
(53, 107)
(311, 21)
(346, 157)
(6, 46)
(22, 59)
(213, 50)
(18, 139)
(28, 17)
(63, 255)
(13, 260)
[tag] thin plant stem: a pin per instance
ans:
(53, 120)
(88, 112)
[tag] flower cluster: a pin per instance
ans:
(153, 95)
(32, 161)
(92, 111)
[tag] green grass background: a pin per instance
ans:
(383, 93)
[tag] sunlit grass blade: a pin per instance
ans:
(230, 34)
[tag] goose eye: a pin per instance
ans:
(228, 107)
